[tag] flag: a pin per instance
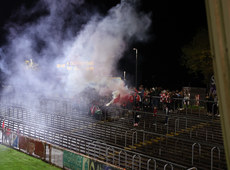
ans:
(3, 124)
(95, 110)
(92, 110)
(117, 99)
(15, 143)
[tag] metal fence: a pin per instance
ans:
(117, 141)
(52, 154)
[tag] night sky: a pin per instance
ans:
(174, 23)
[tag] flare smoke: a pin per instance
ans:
(64, 48)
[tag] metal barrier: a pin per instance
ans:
(167, 165)
(133, 138)
(176, 124)
(139, 161)
(155, 164)
(188, 109)
(192, 168)
(126, 138)
(218, 149)
(52, 154)
(119, 159)
(193, 150)
(54, 120)
(97, 144)
(107, 149)
(62, 118)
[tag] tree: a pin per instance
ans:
(197, 55)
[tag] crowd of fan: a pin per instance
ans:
(154, 99)
(157, 98)
(148, 100)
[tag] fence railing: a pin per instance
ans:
(56, 155)
(112, 154)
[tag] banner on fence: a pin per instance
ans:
(39, 149)
(57, 157)
(22, 143)
(1, 136)
(74, 161)
(31, 146)
(85, 163)
(95, 165)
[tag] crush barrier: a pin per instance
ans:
(61, 121)
(94, 149)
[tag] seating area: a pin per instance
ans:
(190, 139)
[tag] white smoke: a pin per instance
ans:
(63, 35)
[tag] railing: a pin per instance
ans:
(131, 137)
(56, 155)
(180, 122)
(104, 149)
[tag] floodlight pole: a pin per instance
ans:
(136, 65)
(124, 75)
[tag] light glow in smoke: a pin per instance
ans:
(71, 47)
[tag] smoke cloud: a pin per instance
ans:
(61, 48)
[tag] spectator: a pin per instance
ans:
(215, 105)
(154, 115)
(130, 104)
(137, 117)
(146, 103)
(137, 101)
(154, 94)
(186, 97)
(7, 134)
(165, 100)
(141, 91)
(209, 100)
(180, 96)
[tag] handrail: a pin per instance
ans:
(155, 164)
(150, 133)
(193, 150)
(218, 149)
(115, 126)
(167, 165)
(139, 161)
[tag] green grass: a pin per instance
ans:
(11, 159)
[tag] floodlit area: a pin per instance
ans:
(111, 85)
